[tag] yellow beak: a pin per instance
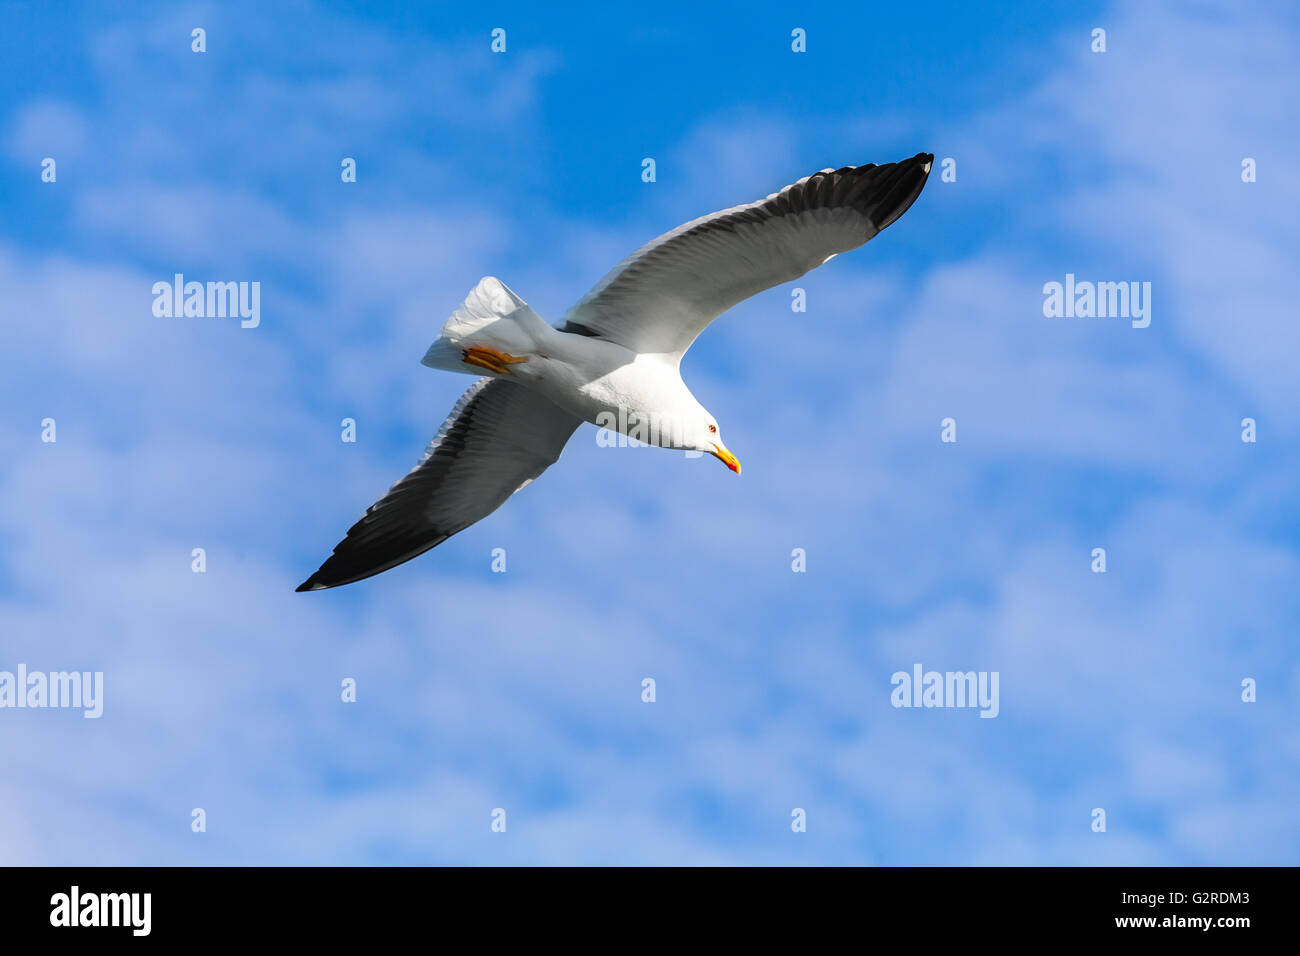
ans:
(726, 457)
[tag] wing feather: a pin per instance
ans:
(663, 296)
(498, 438)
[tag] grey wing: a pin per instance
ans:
(499, 437)
(663, 296)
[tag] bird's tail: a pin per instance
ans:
(491, 317)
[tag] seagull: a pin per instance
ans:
(615, 360)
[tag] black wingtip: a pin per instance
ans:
(895, 192)
(311, 584)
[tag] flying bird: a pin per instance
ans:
(614, 361)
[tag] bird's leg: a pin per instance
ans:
(481, 356)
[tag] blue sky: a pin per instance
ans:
(522, 690)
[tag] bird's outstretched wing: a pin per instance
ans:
(499, 437)
(661, 297)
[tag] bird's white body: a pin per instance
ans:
(596, 380)
(615, 360)
(612, 386)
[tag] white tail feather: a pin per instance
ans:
(491, 316)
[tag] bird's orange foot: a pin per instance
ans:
(481, 356)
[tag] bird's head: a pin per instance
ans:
(708, 439)
(690, 426)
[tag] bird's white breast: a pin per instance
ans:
(604, 383)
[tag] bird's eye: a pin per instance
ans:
(713, 429)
